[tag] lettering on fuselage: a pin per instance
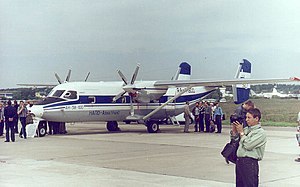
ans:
(191, 90)
(74, 107)
(103, 112)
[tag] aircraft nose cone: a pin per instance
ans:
(37, 110)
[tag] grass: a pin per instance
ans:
(275, 112)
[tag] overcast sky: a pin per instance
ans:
(38, 38)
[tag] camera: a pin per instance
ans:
(235, 117)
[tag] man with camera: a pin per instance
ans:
(240, 113)
(252, 142)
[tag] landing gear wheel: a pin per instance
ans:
(152, 127)
(42, 129)
(112, 126)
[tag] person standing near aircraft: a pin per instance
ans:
(208, 115)
(1, 119)
(16, 119)
(201, 117)
(196, 112)
(9, 114)
(22, 112)
(252, 143)
(218, 117)
(298, 134)
(187, 117)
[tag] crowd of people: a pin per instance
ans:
(10, 115)
(13, 113)
(206, 116)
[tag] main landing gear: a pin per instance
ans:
(112, 126)
(152, 126)
(42, 129)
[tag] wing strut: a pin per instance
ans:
(169, 101)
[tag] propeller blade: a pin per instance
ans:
(58, 78)
(122, 77)
(68, 76)
(135, 74)
(118, 96)
(86, 78)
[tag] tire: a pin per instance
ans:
(42, 129)
(152, 127)
(112, 126)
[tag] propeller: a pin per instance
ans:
(86, 78)
(58, 78)
(128, 87)
(67, 78)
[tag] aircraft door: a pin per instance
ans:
(171, 107)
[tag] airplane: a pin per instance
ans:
(274, 93)
(144, 102)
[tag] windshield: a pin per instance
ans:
(58, 93)
(49, 100)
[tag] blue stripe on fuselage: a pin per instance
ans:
(108, 100)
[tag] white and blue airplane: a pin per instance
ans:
(145, 102)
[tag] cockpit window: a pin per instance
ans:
(51, 92)
(49, 100)
(58, 93)
(70, 95)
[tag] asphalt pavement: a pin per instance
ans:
(88, 155)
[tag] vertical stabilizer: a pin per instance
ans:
(185, 71)
(241, 91)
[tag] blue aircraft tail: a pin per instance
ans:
(183, 72)
(241, 91)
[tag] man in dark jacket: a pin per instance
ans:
(242, 110)
(9, 114)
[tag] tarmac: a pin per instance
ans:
(88, 155)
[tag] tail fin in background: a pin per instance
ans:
(241, 91)
(184, 72)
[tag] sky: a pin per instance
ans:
(41, 37)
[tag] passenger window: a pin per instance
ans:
(92, 99)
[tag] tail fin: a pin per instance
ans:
(241, 92)
(184, 72)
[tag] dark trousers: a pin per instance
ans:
(201, 122)
(207, 122)
(246, 171)
(9, 125)
(50, 125)
(1, 127)
(196, 123)
(219, 123)
(23, 129)
(16, 121)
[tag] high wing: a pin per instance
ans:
(218, 83)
